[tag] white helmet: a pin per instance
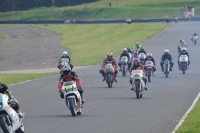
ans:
(65, 52)
(125, 49)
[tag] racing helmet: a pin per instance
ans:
(136, 62)
(65, 53)
(66, 70)
(166, 51)
(149, 56)
(125, 50)
(109, 56)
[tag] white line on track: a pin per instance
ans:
(185, 115)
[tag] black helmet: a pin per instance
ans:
(66, 70)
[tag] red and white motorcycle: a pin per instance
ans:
(136, 77)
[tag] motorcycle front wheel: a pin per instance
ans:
(5, 125)
(21, 129)
(72, 106)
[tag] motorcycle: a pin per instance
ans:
(183, 63)
(167, 20)
(124, 61)
(166, 67)
(109, 72)
(10, 121)
(194, 39)
(136, 78)
(180, 48)
(72, 97)
(64, 60)
(176, 20)
(142, 57)
(149, 69)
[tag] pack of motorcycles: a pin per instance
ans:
(10, 122)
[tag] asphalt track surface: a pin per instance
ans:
(116, 110)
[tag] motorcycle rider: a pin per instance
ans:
(125, 53)
(111, 60)
(184, 52)
(195, 35)
(165, 56)
(150, 58)
(142, 51)
(69, 75)
(180, 44)
(13, 102)
(129, 50)
(64, 56)
(166, 18)
(175, 19)
(137, 66)
(137, 46)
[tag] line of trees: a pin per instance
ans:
(15, 5)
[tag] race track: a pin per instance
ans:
(116, 110)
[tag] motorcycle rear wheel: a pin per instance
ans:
(183, 68)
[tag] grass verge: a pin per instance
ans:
(100, 10)
(1, 37)
(89, 44)
(17, 78)
(192, 122)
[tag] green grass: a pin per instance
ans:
(99, 10)
(192, 122)
(89, 44)
(1, 37)
(17, 78)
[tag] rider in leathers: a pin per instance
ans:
(137, 66)
(125, 53)
(129, 50)
(69, 75)
(165, 56)
(142, 51)
(184, 52)
(65, 56)
(150, 58)
(13, 102)
(107, 60)
(195, 35)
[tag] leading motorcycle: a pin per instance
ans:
(72, 97)
(136, 78)
(10, 122)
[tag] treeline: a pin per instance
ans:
(16, 5)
